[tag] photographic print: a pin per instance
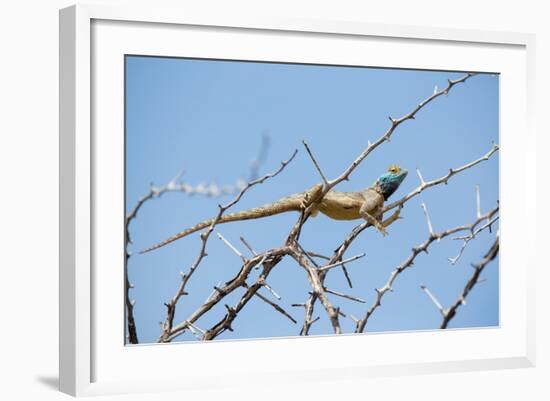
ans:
(269, 200)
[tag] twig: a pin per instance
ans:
(341, 294)
(272, 291)
(428, 221)
(275, 306)
(333, 265)
(433, 299)
(248, 246)
(230, 245)
(307, 255)
(317, 166)
(467, 238)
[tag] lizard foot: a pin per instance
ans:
(381, 228)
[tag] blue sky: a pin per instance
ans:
(207, 118)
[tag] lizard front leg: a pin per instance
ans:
(368, 211)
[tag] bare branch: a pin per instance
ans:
(394, 124)
(338, 254)
(371, 146)
(175, 185)
(167, 333)
(467, 238)
(130, 320)
(316, 284)
(270, 260)
(316, 275)
(441, 180)
(478, 269)
(407, 263)
(251, 290)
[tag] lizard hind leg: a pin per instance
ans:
(310, 196)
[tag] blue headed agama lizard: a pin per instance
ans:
(366, 204)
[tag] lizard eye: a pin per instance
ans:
(394, 169)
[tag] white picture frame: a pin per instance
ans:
(88, 366)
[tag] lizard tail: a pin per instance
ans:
(179, 235)
(281, 206)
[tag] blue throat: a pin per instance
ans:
(389, 182)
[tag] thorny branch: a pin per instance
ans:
(408, 263)
(171, 306)
(315, 272)
(340, 250)
(478, 269)
(441, 180)
(177, 185)
(386, 137)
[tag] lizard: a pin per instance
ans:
(366, 204)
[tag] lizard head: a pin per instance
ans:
(388, 182)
